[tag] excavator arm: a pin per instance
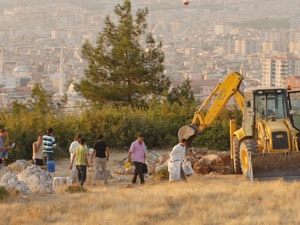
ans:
(217, 101)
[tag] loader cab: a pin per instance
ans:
(294, 104)
(270, 104)
(264, 104)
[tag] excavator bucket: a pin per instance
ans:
(274, 165)
(186, 132)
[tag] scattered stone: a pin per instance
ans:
(130, 170)
(120, 171)
(37, 179)
(213, 161)
(153, 156)
(202, 151)
(161, 167)
(18, 165)
(122, 179)
(199, 156)
(201, 167)
(203, 161)
(12, 184)
(162, 159)
(108, 175)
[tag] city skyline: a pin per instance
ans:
(203, 40)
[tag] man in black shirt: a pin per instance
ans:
(102, 155)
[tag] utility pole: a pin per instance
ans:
(150, 17)
(61, 73)
(1, 61)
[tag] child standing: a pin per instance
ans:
(80, 153)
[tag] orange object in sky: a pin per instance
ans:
(186, 2)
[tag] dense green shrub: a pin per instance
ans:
(217, 135)
(162, 174)
(3, 193)
(75, 189)
(120, 126)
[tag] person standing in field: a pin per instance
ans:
(101, 150)
(72, 147)
(81, 153)
(49, 144)
(3, 149)
(137, 151)
(37, 151)
(177, 156)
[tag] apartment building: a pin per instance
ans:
(276, 70)
(274, 48)
(247, 46)
(294, 48)
(222, 29)
(275, 42)
(33, 19)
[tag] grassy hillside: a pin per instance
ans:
(211, 199)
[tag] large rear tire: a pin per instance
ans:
(246, 147)
(236, 156)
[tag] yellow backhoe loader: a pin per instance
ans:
(266, 145)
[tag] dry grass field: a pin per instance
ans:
(210, 199)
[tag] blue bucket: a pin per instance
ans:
(50, 166)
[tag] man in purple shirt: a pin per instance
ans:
(137, 150)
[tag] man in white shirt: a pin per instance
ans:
(177, 155)
(73, 145)
(37, 151)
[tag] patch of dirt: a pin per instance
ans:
(115, 162)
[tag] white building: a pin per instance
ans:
(222, 29)
(275, 70)
(75, 101)
(8, 80)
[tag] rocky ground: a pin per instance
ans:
(24, 177)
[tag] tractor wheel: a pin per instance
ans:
(246, 147)
(236, 156)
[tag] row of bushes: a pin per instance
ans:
(120, 126)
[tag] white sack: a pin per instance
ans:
(174, 170)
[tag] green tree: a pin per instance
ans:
(42, 101)
(182, 94)
(18, 107)
(123, 68)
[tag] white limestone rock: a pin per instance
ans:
(37, 179)
(11, 183)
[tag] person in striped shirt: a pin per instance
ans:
(48, 144)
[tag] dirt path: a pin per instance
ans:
(62, 165)
(115, 162)
(122, 180)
